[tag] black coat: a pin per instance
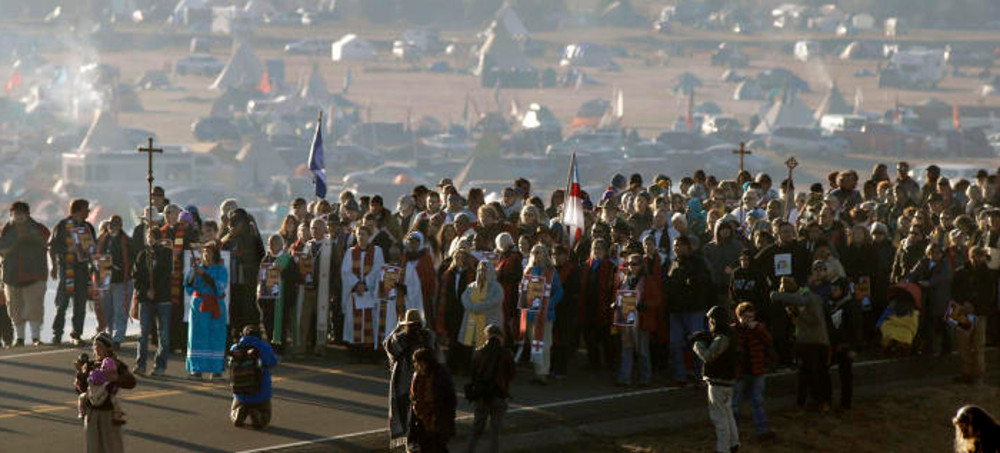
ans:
(688, 286)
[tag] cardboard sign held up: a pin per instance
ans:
(535, 292)
(626, 312)
(269, 286)
(391, 275)
(305, 262)
(103, 265)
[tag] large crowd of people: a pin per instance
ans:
(704, 282)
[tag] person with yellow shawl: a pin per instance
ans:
(482, 301)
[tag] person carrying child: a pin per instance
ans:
(98, 383)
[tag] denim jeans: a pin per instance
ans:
(63, 297)
(635, 341)
(114, 308)
(682, 325)
(754, 386)
(150, 312)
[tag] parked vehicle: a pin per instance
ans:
(805, 140)
(729, 55)
(806, 50)
(920, 69)
(214, 129)
(308, 47)
(588, 142)
(837, 123)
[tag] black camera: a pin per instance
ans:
(701, 337)
(84, 359)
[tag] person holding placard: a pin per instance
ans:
(359, 273)
(634, 316)
(540, 294)
(278, 274)
(115, 274)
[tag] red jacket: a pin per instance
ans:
(597, 292)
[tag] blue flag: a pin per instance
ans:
(316, 162)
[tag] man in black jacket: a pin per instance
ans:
(493, 369)
(689, 295)
(975, 291)
(71, 248)
(22, 249)
(151, 279)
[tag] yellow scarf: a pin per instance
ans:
(477, 321)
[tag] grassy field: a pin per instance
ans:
(910, 419)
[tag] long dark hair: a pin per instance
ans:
(975, 431)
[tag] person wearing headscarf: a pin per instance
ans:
(456, 277)
(420, 277)
(409, 336)
(207, 283)
(483, 304)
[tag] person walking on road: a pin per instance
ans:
(432, 396)
(409, 336)
(489, 389)
(151, 278)
(24, 267)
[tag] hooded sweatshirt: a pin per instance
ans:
(721, 253)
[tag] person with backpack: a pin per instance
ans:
(250, 377)
(492, 371)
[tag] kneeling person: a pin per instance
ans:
(250, 372)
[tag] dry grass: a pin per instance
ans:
(910, 419)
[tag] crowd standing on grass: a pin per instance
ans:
(794, 278)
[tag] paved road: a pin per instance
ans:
(320, 405)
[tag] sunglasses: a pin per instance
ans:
(634, 264)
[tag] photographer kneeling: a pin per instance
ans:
(250, 376)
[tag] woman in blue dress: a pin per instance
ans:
(207, 283)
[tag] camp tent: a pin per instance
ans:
(732, 76)
(315, 86)
(257, 161)
(352, 48)
(104, 135)
(621, 14)
(512, 24)
(260, 10)
(244, 70)
(586, 54)
(501, 52)
(748, 90)
(833, 104)
(788, 111)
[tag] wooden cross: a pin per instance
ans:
(743, 152)
(791, 163)
(149, 150)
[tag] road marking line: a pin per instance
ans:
(52, 351)
(518, 408)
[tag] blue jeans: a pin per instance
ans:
(755, 386)
(635, 341)
(79, 297)
(148, 313)
(682, 325)
(114, 308)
